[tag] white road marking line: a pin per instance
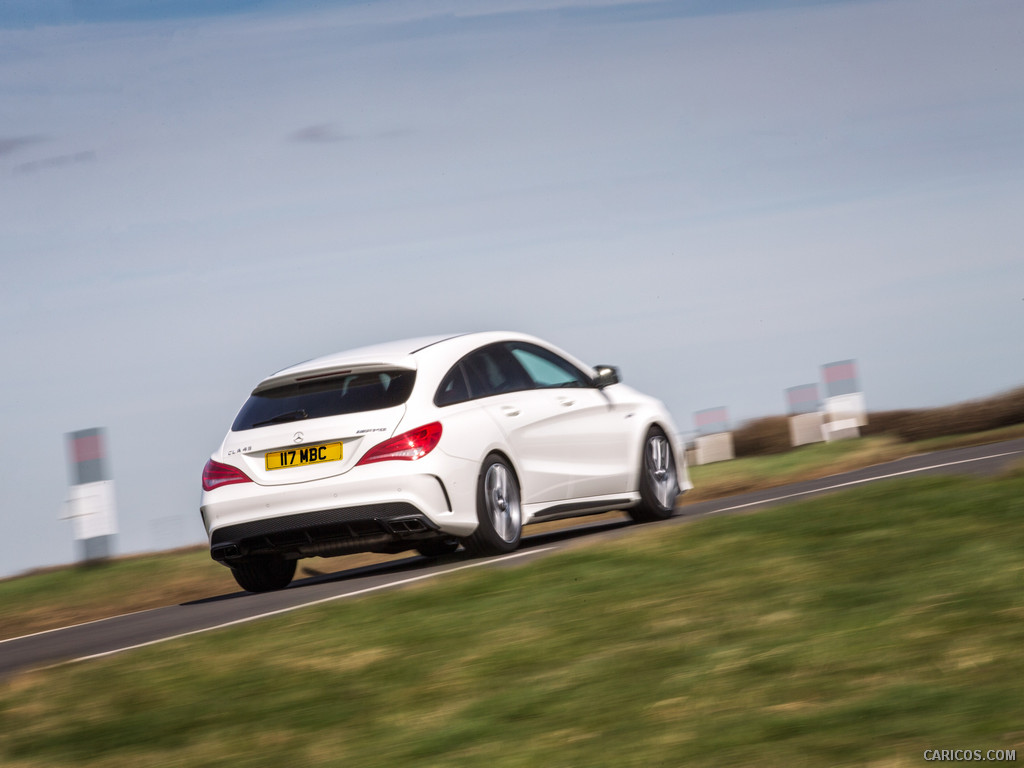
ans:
(358, 592)
(75, 626)
(861, 482)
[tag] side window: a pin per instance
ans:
(492, 370)
(547, 369)
(453, 388)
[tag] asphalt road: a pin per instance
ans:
(122, 633)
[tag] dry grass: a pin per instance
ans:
(770, 435)
(991, 413)
(762, 437)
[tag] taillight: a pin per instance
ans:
(216, 474)
(408, 446)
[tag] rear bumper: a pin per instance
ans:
(382, 510)
(324, 533)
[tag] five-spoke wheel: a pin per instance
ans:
(659, 484)
(499, 511)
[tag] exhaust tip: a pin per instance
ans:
(408, 525)
(224, 552)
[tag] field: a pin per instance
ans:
(857, 629)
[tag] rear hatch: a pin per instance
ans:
(318, 425)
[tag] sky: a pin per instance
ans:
(719, 197)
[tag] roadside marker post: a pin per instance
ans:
(91, 504)
(714, 441)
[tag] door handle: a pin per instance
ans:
(566, 401)
(510, 410)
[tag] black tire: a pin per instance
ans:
(659, 481)
(498, 510)
(438, 547)
(264, 573)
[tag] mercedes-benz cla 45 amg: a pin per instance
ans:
(427, 444)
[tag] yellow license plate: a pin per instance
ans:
(301, 457)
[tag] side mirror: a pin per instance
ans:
(606, 375)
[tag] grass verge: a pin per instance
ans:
(857, 629)
(60, 597)
(810, 462)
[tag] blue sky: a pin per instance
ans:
(717, 197)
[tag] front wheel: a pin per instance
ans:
(659, 483)
(263, 573)
(498, 510)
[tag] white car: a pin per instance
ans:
(428, 443)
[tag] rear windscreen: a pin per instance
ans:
(333, 396)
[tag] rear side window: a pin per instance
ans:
(333, 396)
(507, 367)
(489, 370)
(492, 371)
(453, 388)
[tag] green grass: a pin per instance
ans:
(861, 628)
(803, 463)
(971, 438)
(822, 459)
(63, 596)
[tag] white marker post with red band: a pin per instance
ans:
(844, 407)
(91, 505)
(714, 441)
(806, 418)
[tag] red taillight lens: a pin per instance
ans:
(216, 474)
(408, 446)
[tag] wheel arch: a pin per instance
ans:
(504, 456)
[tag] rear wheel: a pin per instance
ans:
(264, 573)
(659, 483)
(498, 510)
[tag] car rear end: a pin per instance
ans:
(315, 464)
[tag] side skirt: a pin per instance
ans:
(538, 513)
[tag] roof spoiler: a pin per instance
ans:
(289, 376)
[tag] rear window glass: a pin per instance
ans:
(334, 396)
